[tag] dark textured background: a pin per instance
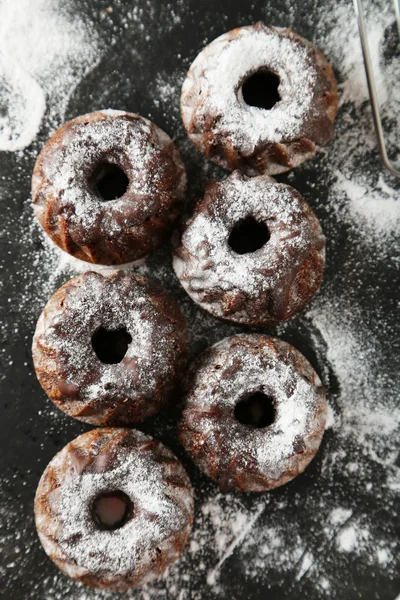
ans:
(32, 432)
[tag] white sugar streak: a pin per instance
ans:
(211, 577)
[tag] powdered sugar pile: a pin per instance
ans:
(45, 51)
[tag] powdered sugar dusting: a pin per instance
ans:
(207, 239)
(366, 197)
(244, 55)
(70, 206)
(211, 271)
(97, 462)
(372, 417)
(92, 141)
(68, 366)
(242, 457)
(242, 529)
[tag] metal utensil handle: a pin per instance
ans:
(371, 83)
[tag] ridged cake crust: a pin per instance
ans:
(236, 135)
(262, 287)
(71, 373)
(106, 460)
(243, 457)
(70, 210)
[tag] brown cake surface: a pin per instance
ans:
(109, 349)
(253, 252)
(254, 413)
(89, 484)
(108, 186)
(261, 99)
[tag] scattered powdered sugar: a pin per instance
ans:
(367, 197)
(46, 50)
(339, 516)
(167, 94)
(370, 415)
(332, 532)
(22, 104)
(306, 562)
(240, 528)
(353, 87)
(378, 209)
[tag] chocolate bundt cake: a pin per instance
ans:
(114, 508)
(109, 349)
(108, 187)
(254, 413)
(252, 253)
(260, 99)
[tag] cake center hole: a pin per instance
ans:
(248, 236)
(111, 345)
(111, 510)
(261, 90)
(110, 182)
(256, 410)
